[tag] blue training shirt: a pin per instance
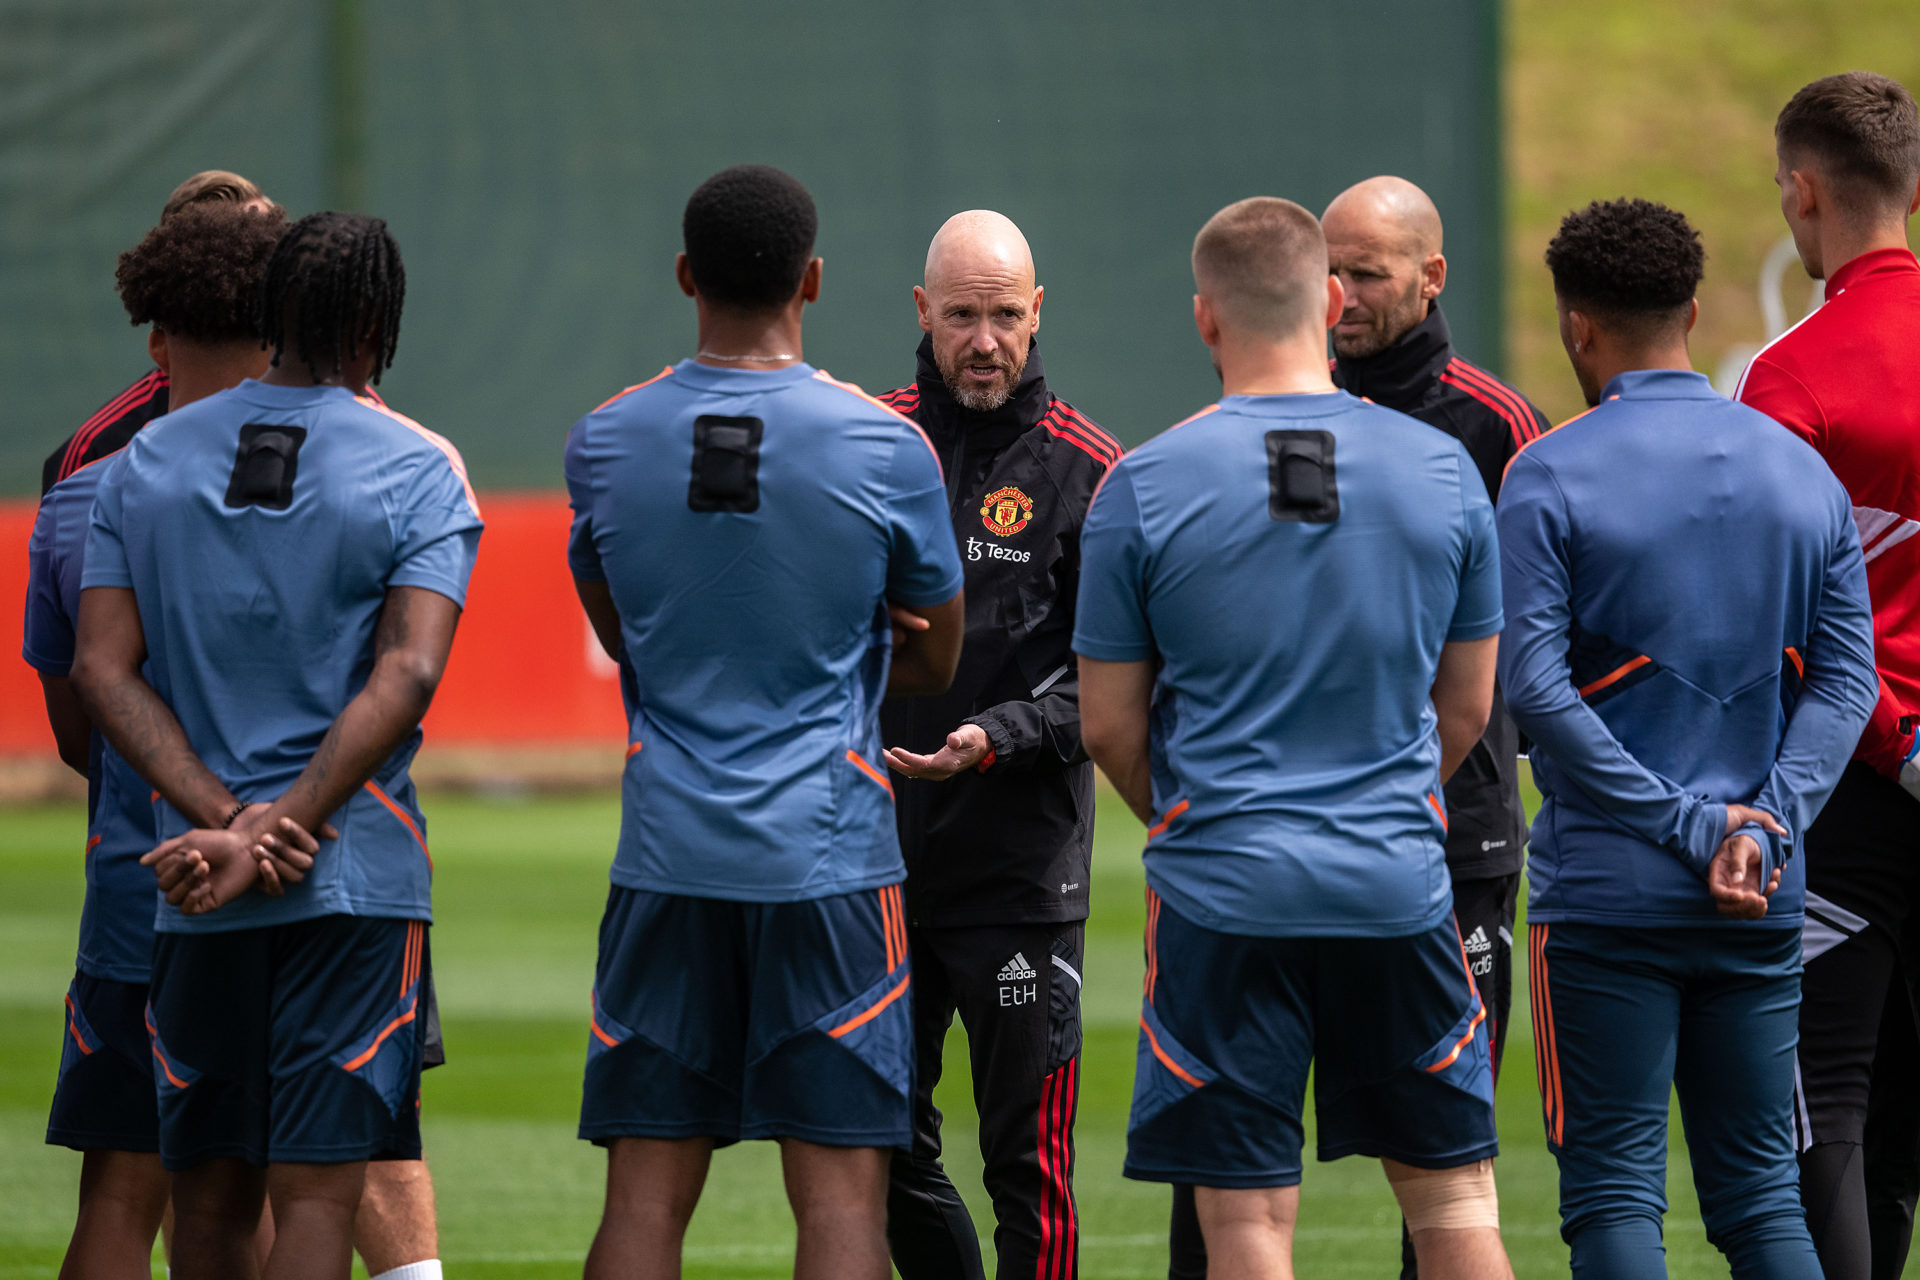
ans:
(1673, 562)
(1295, 563)
(751, 526)
(260, 617)
(116, 918)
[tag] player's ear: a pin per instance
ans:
(1039, 296)
(1433, 276)
(157, 349)
(684, 275)
(1693, 314)
(1807, 193)
(923, 305)
(1336, 299)
(1914, 204)
(810, 280)
(1205, 321)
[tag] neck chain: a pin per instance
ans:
(715, 355)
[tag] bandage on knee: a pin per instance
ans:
(1456, 1199)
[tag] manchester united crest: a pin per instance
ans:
(1005, 512)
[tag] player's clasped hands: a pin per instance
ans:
(207, 868)
(1733, 877)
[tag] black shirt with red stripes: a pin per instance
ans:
(1422, 377)
(109, 428)
(1010, 842)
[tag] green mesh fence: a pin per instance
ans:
(533, 161)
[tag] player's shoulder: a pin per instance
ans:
(1078, 438)
(1810, 349)
(1494, 400)
(850, 402)
(108, 429)
(632, 397)
(412, 440)
(902, 399)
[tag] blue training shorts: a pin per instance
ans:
(104, 1100)
(294, 1043)
(742, 1020)
(1393, 1027)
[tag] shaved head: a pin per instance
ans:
(978, 241)
(1389, 207)
(1383, 241)
(1262, 263)
(980, 306)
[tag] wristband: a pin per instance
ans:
(239, 807)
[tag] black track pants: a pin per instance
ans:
(1857, 1103)
(1484, 911)
(1017, 991)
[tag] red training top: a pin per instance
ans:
(1847, 380)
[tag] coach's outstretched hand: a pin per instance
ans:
(207, 868)
(1733, 877)
(966, 747)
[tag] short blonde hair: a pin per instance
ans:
(211, 185)
(1263, 263)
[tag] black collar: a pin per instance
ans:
(1022, 411)
(1401, 376)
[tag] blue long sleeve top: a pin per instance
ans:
(1687, 627)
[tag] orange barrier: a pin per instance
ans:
(525, 670)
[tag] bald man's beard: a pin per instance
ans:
(1386, 330)
(982, 399)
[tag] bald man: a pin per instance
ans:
(995, 795)
(1288, 616)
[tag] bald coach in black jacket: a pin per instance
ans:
(996, 805)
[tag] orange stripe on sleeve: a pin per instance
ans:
(1616, 675)
(1438, 812)
(1799, 666)
(635, 387)
(1167, 820)
(438, 441)
(602, 1036)
(863, 1019)
(634, 749)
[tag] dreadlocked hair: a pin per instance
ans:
(335, 281)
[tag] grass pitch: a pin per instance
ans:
(518, 897)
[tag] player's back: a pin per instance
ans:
(750, 527)
(116, 922)
(1845, 380)
(1303, 559)
(1698, 540)
(260, 530)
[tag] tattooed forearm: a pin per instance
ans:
(143, 730)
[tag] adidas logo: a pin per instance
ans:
(1016, 970)
(1477, 942)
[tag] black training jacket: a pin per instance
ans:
(1011, 842)
(1421, 376)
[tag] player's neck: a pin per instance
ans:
(198, 370)
(288, 370)
(749, 340)
(1261, 367)
(1663, 356)
(1841, 243)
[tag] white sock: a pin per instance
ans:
(428, 1270)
